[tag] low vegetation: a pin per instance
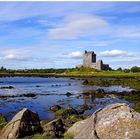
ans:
(68, 136)
(38, 136)
(131, 82)
(3, 122)
(135, 99)
(96, 73)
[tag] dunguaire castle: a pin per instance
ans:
(89, 60)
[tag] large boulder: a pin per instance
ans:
(81, 130)
(54, 129)
(23, 124)
(116, 121)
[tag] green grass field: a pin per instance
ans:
(93, 72)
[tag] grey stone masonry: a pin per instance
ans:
(89, 60)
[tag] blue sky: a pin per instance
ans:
(55, 34)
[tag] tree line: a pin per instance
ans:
(134, 69)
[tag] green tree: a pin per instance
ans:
(119, 69)
(2, 69)
(135, 69)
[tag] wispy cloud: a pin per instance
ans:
(72, 55)
(77, 25)
(12, 57)
(12, 11)
(116, 53)
(15, 55)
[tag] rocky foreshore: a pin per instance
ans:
(115, 121)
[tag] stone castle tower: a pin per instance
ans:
(89, 60)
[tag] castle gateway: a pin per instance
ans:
(89, 60)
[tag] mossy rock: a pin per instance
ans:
(66, 112)
(69, 121)
(85, 82)
(85, 107)
(54, 129)
(100, 91)
(55, 108)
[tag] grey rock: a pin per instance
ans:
(24, 123)
(116, 121)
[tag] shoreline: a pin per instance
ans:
(115, 75)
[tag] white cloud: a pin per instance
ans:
(14, 55)
(10, 56)
(21, 55)
(116, 53)
(72, 55)
(77, 25)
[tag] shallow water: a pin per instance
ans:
(53, 86)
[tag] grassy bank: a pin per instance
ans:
(75, 72)
(71, 72)
(92, 72)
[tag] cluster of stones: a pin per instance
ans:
(116, 121)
